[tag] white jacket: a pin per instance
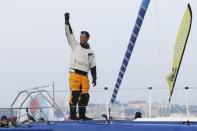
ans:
(81, 59)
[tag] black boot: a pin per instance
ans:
(73, 103)
(73, 115)
(83, 102)
(74, 118)
(82, 116)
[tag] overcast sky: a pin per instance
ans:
(34, 50)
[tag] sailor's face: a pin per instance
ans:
(4, 122)
(83, 39)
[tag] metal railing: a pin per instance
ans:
(150, 101)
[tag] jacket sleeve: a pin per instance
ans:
(92, 62)
(93, 67)
(94, 73)
(70, 36)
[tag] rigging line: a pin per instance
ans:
(159, 46)
(158, 38)
(188, 1)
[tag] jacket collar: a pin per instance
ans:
(85, 46)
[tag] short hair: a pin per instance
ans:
(86, 33)
(138, 115)
(4, 118)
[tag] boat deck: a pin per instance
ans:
(104, 126)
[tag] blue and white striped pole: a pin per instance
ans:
(133, 38)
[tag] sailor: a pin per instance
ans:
(138, 115)
(82, 61)
(4, 121)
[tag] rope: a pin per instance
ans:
(158, 38)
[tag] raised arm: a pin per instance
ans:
(69, 33)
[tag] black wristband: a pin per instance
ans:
(67, 22)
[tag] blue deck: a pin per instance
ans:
(103, 126)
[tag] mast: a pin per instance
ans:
(133, 38)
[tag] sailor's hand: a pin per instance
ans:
(67, 17)
(94, 82)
